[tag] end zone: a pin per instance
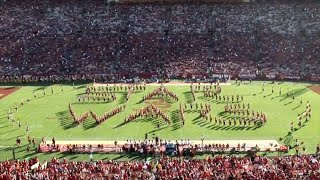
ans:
(7, 91)
(315, 88)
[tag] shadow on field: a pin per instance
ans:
(200, 121)
(267, 95)
(79, 94)
(154, 121)
(188, 96)
(228, 126)
(39, 88)
(288, 103)
(65, 120)
(257, 93)
(4, 126)
(296, 107)
(9, 131)
(275, 97)
(288, 140)
(157, 129)
(140, 101)
(175, 117)
(295, 92)
(233, 127)
(81, 86)
(119, 125)
(123, 98)
(131, 156)
(222, 113)
(89, 123)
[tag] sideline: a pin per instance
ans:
(158, 84)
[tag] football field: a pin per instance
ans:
(48, 116)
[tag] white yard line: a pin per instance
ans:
(54, 127)
(14, 114)
(48, 136)
(122, 118)
(69, 135)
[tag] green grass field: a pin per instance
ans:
(48, 116)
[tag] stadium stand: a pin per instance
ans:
(247, 40)
(219, 167)
(78, 40)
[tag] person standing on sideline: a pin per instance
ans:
(91, 156)
(13, 154)
(280, 91)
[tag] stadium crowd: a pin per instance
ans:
(100, 41)
(217, 167)
(76, 40)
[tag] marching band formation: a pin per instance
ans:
(107, 115)
(78, 119)
(99, 96)
(244, 116)
(306, 114)
(116, 88)
(161, 91)
(208, 90)
(108, 93)
(242, 113)
(150, 110)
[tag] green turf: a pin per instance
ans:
(48, 116)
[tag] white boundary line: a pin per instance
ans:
(220, 138)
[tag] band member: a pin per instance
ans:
(280, 92)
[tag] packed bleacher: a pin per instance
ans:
(181, 166)
(100, 41)
(79, 40)
(218, 167)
